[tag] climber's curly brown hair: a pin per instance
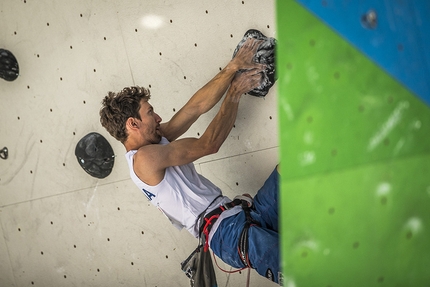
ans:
(118, 107)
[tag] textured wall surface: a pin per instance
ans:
(355, 157)
(62, 227)
(393, 34)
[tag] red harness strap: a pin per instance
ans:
(209, 222)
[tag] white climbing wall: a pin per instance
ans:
(62, 227)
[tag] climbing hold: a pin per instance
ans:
(95, 155)
(9, 69)
(4, 153)
(265, 55)
(370, 19)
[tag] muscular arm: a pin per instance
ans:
(201, 102)
(210, 94)
(152, 160)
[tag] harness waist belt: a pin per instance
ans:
(210, 218)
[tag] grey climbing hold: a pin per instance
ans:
(265, 55)
(95, 155)
(370, 19)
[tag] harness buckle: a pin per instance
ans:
(245, 197)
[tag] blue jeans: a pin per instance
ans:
(263, 240)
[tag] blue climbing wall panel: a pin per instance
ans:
(354, 143)
(398, 38)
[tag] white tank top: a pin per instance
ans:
(182, 195)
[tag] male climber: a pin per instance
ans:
(161, 165)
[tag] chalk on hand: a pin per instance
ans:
(265, 54)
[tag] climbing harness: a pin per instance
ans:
(243, 239)
(246, 203)
(198, 266)
(209, 219)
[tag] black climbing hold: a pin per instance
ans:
(95, 155)
(9, 69)
(4, 153)
(265, 55)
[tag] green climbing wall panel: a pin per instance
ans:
(355, 163)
